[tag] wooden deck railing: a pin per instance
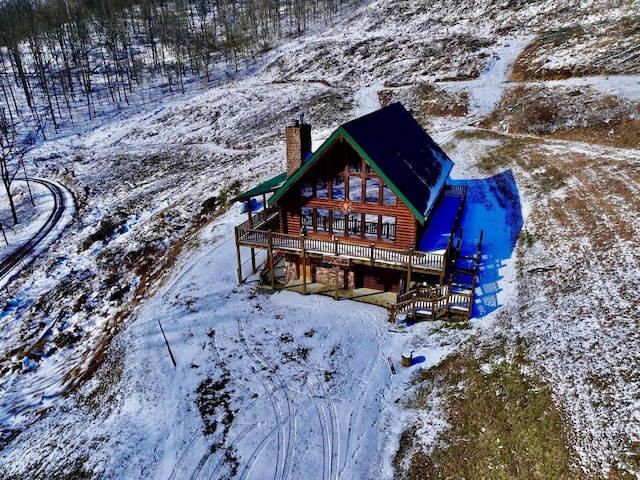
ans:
(433, 302)
(420, 261)
(456, 191)
(260, 218)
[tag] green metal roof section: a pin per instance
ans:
(265, 187)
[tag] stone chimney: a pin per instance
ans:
(298, 143)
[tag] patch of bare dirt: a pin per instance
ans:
(609, 47)
(571, 113)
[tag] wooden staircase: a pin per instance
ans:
(455, 298)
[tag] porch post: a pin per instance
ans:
(248, 204)
(447, 289)
(336, 270)
(304, 265)
(238, 257)
(409, 269)
(253, 250)
(273, 267)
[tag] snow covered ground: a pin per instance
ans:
(277, 384)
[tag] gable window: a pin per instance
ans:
(306, 190)
(338, 187)
(322, 189)
(372, 189)
(355, 188)
(355, 164)
(388, 197)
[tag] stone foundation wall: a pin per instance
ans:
(327, 276)
(291, 268)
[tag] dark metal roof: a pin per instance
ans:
(270, 185)
(399, 150)
(407, 155)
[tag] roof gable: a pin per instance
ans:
(399, 150)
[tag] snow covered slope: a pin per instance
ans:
(284, 386)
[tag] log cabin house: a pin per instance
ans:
(369, 209)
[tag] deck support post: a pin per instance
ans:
(413, 306)
(304, 265)
(372, 257)
(336, 269)
(253, 250)
(447, 291)
(409, 269)
(273, 267)
(238, 257)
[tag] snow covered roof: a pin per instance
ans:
(399, 150)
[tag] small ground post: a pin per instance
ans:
(407, 359)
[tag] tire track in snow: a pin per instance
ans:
(325, 409)
(284, 432)
(330, 436)
(222, 461)
(182, 460)
(59, 206)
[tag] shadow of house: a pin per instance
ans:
(493, 206)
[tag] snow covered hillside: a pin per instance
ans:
(277, 385)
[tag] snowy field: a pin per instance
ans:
(280, 385)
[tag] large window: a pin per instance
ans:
(338, 187)
(371, 226)
(337, 222)
(372, 190)
(388, 228)
(306, 189)
(355, 188)
(355, 224)
(380, 227)
(306, 218)
(346, 190)
(388, 197)
(322, 220)
(355, 164)
(322, 189)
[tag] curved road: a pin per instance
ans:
(59, 206)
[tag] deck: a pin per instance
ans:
(423, 262)
(260, 231)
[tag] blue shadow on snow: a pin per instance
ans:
(417, 360)
(493, 205)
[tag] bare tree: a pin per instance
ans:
(13, 148)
